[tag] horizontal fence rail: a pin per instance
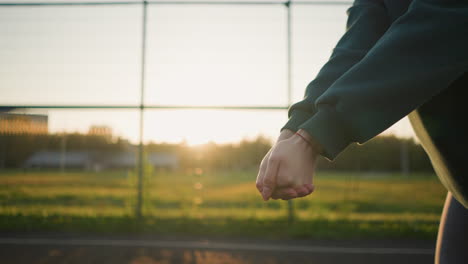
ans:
(322, 3)
(195, 107)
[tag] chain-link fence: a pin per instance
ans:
(57, 157)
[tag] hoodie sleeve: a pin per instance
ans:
(367, 22)
(422, 53)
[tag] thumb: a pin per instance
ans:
(269, 179)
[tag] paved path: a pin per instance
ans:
(46, 248)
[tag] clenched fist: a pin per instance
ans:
(287, 170)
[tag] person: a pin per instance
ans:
(396, 58)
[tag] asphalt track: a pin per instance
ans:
(60, 248)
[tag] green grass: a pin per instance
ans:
(221, 204)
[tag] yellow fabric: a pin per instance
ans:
(437, 160)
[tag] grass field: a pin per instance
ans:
(221, 203)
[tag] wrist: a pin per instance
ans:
(309, 140)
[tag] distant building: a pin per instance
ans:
(120, 160)
(97, 160)
(129, 160)
(55, 159)
(164, 160)
(23, 124)
(100, 131)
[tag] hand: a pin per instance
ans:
(285, 134)
(287, 170)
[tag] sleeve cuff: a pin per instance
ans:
(296, 119)
(328, 130)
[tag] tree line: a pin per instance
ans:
(383, 153)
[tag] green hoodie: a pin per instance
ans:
(380, 72)
(385, 66)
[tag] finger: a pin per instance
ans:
(284, 193)
(310, 187)
(262, 170)
(302, 191)
(275, 196)
(269, 178)
(259, 184)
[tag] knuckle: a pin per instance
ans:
(259, 185)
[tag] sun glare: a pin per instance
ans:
(196, 127)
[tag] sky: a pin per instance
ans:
(196, 55)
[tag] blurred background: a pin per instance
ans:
(130, 117)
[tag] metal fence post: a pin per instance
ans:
(63, 152)
(404, 158)
(289, 79)
(142, 108)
